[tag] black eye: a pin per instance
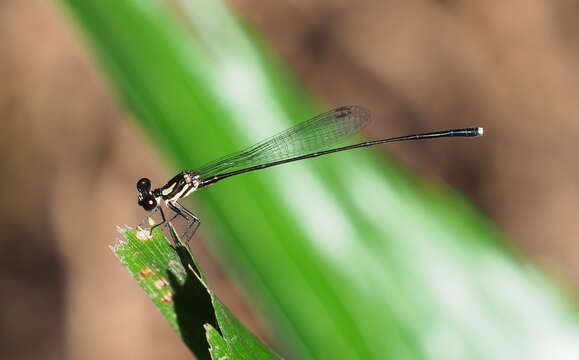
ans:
(148, 202)
(144, 185)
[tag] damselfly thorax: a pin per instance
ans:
(179, 187)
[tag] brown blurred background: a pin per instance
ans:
(70, 156)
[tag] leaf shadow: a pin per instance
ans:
(192, 304)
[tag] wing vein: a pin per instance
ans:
(313, 135)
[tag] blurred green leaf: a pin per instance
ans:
(347, 257)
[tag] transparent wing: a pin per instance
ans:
(316, 134)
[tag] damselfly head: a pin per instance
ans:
(146, 199)
(144, 186)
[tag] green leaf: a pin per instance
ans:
(240, 341)
(172, 278)
(219, 349)
(181, 298)
(347, 256)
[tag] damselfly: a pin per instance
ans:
(309, 139)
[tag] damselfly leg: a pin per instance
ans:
(193, 221)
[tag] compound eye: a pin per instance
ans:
(144, 185)
(148, 202)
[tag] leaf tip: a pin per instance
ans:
(123, 229)
(144, 234)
